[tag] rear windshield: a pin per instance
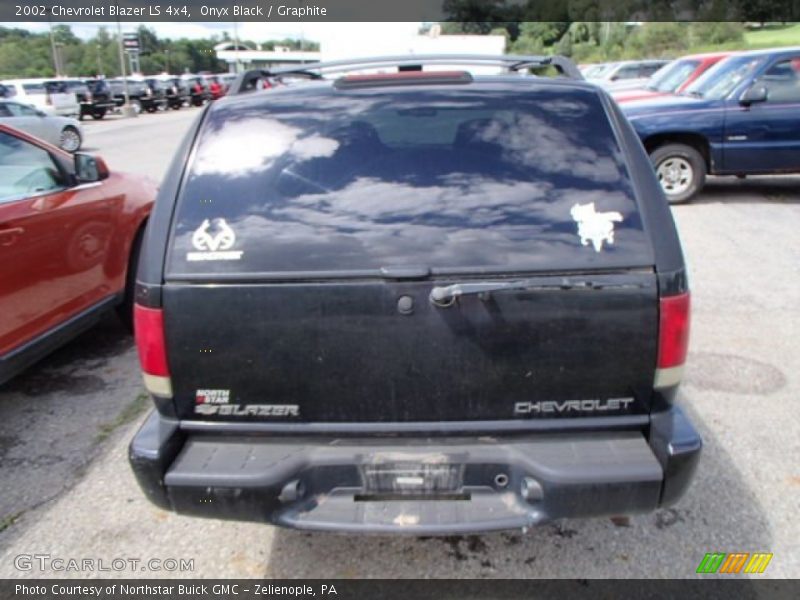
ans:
(452, 178)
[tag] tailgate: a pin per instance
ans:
(313, 224)
(381, 351)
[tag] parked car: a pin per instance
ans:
(226, 79)
(673, 78)
(175, 91)
(146, 95)
(625, 74)
(740, 118)
(94, 96)
(50, 99)
(64, 132)
(70, 232)
(413, 302)
(199, 93)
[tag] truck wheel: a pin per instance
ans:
(70, 139)
(99, 114)
(125, 308)
(681, 171)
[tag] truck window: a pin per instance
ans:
(782, 81)
(451, 179)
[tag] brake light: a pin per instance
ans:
(148, 326)
(673, 339)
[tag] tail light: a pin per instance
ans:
(148, 326)
(673, 339)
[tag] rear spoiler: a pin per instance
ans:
(248, 81)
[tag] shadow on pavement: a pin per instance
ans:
(719, 513)
(53, 415)
(759, 189)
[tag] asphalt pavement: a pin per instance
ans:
(67, 491)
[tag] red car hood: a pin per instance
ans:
(637, 95)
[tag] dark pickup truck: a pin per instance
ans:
(144, 95)
(741, 117)
(94, 96)
(419, 302)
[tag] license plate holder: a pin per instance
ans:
(413, 478)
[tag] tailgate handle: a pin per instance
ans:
(407, 272)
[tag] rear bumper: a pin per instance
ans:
(399, 485)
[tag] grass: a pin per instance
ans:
(769, 36)
(127, 415)
(774, 35)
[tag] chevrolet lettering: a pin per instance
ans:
(587, 406)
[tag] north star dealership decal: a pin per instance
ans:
(249, 410)
(565, 406)
(216, 402)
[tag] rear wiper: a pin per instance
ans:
(446, 295)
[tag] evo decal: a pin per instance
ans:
(213, 240)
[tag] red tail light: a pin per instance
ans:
(673, 339)
(149, 329)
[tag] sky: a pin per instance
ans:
(258, 32)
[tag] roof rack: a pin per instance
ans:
(247, 81)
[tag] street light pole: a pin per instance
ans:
(127, 109)
(53, 47)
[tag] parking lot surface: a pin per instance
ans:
(67, 490)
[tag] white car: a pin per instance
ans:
(626, 74)
(64, 132)
(47, 96)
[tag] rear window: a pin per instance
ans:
(454, 178)
(33, 88)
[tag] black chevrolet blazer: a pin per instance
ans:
(418, 302)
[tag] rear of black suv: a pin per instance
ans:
(417, 304)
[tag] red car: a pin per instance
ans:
(674, 77)
(70, 232)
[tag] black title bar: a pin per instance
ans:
(415, 589)
(498, 12)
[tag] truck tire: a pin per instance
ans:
(681, 171)
(125, 308)
(98, 114)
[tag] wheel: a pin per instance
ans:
(70, 139)
(681, 171)
(151, 109)
(176, 106)
(125, 308)
(99, 114)
(136, 105)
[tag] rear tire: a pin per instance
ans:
(99, 114)
(125, 308)
(70, 139)
(681, 171)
